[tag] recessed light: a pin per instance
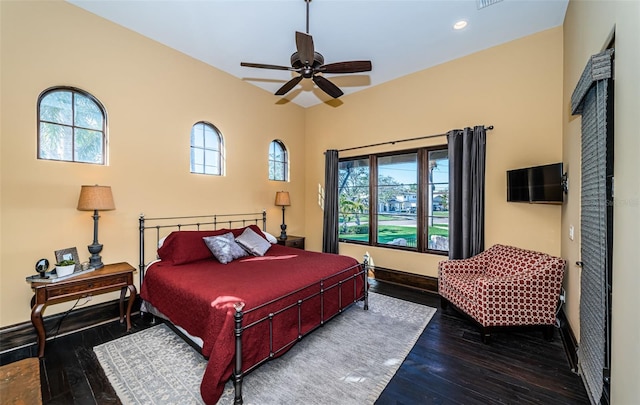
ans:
(459, 25)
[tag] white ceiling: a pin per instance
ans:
(399, 37)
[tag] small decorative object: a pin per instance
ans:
(95, 198)
(283, 200)
(42, 266)
(65, 267)
(84, 266)
(69, 254)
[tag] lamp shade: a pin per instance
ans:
(282, 199)
(96, 198)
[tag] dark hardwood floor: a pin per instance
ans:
(448, 365)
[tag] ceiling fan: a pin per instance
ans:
(310, 64)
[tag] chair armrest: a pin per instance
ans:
(464, 266)
(473, 265)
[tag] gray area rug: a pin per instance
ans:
(348, 361)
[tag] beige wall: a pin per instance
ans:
(516, 87)
(153, 95)
(587, 26)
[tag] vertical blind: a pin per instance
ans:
(590, 100)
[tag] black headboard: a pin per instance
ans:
(164, 226)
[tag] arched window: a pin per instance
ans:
(278, 161)
(72, 126)
(206, 149)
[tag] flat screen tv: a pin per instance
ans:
(539, 184)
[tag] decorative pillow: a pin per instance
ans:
(253, 243)
(238, 231)
(224, 247)
(182, 247)
(270, 238)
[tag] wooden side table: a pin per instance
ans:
(112, 277)
(292, 241)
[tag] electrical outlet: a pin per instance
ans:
(562, 296)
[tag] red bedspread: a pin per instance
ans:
(199, 297)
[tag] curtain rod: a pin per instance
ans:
(489, 128)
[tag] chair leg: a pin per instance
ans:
(548, 332)
(485, 334)
(444, 303)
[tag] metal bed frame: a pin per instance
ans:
(202, 222)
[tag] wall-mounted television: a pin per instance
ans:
(539, 184)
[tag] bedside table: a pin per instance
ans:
(292, 241)
(112, 277)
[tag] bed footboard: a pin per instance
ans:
(238, 373)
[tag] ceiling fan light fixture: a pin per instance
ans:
(460, 25)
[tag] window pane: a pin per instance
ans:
(88, 146)
(197, 137)
(55, 142)
(438, 207)
(277, 161)
(197, 160)
(211, 169)
(211, 139)
(278, 154)
(56, 107)
(210, 157)
(397, 200)
(353, 194)
(87, 113)
(278, 172)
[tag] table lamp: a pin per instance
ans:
(282, 200)
(95, 198)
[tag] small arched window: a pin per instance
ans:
(72, 126)
(278, 161)
(206, 149)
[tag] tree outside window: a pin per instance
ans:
(71, 126)
(278, 161)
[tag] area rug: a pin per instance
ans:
(348, 361)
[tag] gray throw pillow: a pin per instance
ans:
(253, 243)
(224, 247)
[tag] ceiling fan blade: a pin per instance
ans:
(355, 66)
(304, 43)
(263, 66)
(288, 86)
(328, 87)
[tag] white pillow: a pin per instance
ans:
(272, 239)
(253, 243)
(161, 242)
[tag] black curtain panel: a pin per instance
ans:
(467, 151)
(330, 224)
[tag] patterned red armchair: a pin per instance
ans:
(504, 286)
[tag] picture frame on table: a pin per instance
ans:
(68, 254)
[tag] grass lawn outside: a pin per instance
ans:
(387, 233)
